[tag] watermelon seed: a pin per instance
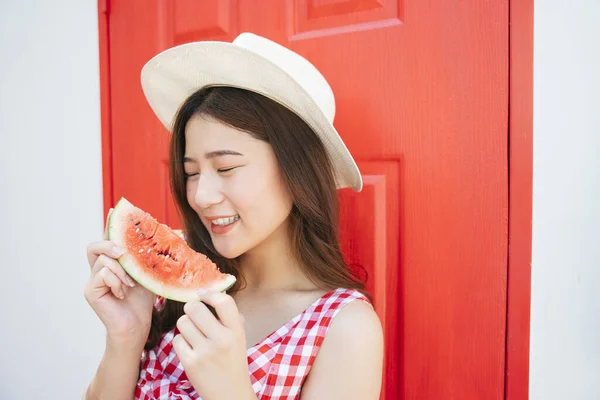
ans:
(141, 251)
(154, 266)
(137, 230)
(137, 223)
(165, 253)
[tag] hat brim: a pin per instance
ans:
(170, 77)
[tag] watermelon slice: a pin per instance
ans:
(159, 259)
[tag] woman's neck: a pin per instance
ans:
(272, 266)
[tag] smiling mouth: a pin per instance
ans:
(225, 221)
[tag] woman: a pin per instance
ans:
(255, 164)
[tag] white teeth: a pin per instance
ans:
(225, 221)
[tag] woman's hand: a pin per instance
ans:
(124, 307)
(213, 351)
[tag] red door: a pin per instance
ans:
(422, 103)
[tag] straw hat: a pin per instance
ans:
(254, 63)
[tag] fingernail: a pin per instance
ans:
(118, 251)
(131, 282)
(121, 294)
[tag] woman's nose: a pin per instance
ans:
(208, 192)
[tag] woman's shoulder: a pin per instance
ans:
(349, 313)
(337, 300)
(352, 351)
(353, 311)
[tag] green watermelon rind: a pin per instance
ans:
(131, 265)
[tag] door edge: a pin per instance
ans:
(520, 174)
(105, 103)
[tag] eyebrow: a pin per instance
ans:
(217, 153)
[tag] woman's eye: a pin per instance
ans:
(186, 175)
(226, 169)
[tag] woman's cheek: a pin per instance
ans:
(242, 189)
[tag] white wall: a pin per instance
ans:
(51, 202)
(50, 178)
(565, 312)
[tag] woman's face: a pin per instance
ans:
(234, 185)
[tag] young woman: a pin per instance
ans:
(255, 165)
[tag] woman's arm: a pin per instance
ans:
(118, 371)
(350, 361)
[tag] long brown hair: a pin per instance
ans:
(306, 170)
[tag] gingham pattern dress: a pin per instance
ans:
(278, 365)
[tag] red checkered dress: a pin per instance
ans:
(278, 365)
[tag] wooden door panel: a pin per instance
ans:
(312, 18)
(192, 19)
(369, 230)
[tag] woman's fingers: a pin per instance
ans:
(105, 278)
(193, 334)
(225, 307)
(114, 267)
(96, 249)
(198, 314)
(182, 348)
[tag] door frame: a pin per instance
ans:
(520, 188)
(520, 181)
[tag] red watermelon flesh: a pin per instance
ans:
(159, 259)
